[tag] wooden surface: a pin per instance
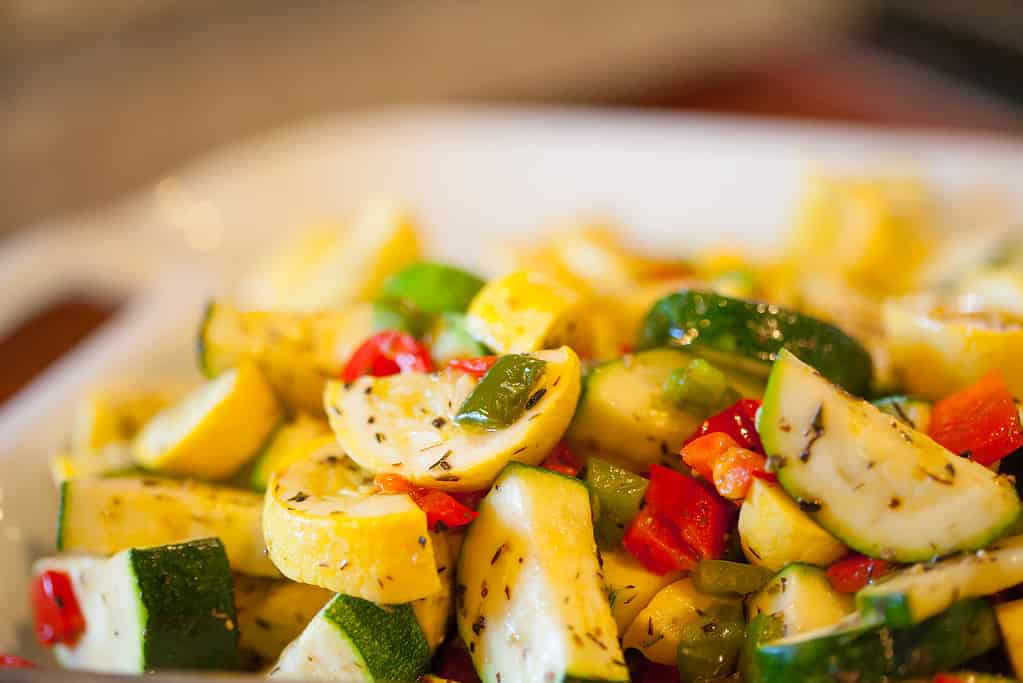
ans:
(848, 85)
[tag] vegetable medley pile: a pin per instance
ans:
(596, 466)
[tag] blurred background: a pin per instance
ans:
(103, 97)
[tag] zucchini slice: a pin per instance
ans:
(529, 593)
(405, 424)
(881, 487)
(168, 607)
(749, 335)
(914, 412)
(801, 596)
(911, 595)
(325, 524)
(938, 346)
(624, 417)
(334, 266)
(1010, 622)
(526, 311)
(271, 614)
(630, 586)
(285, 445)
(215, 430)
(111, 460)
(104, 516)
(857, 650)
(354, 640)
(297, 352)
(657, 629)
(774, 532)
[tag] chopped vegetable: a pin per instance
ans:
(387, 353)
(719, 459)
(503, 393)
(709, 647)
(616, 495)
(729, 579)
(738, 422)
(980, 422)
(854, 572)
(563, 461)
(58, 617)
(477, 367)
(681, 523)
(748, 335)
(442, 510)
(700, 385)
(449, 339)
(431, 288)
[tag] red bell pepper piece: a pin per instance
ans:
(737, 421)
(947, 678)
(454, 663)
(15, 662)
(477, 367)
(442, 510)
(766, 476)
(645, 671)
(387, 353)
(682, 522)
(718, 458)
(854, 571)
(563, 460)
(470, 499)
(58, 618)
(981, 421)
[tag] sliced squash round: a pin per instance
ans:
(324, 523)
(406, 424)
(939, 346)
(213, 431)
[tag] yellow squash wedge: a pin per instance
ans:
(215, 430)
(325, 524)
(297, 352)
(404, 424)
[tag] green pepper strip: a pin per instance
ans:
(501, 396)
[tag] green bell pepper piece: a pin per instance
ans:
(501, 396)
(700, 385)
(432, 288)
(615, 495)
(729, 579)
(709, 646)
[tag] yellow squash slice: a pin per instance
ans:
(333, 266)
(404, 424)
(297, 352)
(325, 524)
(938, 347)
(213, 431)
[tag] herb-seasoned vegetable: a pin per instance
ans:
(617, 495)
(724, 578)
(503, 393)
(708, 648)
(749, 335)
(431, 288)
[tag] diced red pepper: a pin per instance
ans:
(470, 499)
(947, 678)
(682, 522)
(855, 571)
(645, 671)
(15, 662)
(737, 421)
(442, 510)
(718, 458)
(387, 353)
(656, 544)
(58, 618)
(477, 367)
(981, 421)
(563, 460)
(766, 476)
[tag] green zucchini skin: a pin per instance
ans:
(366, 625)
(751, 334)
(188, 597)
(857, 651)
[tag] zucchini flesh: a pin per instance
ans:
(529, 597)
(801, 596)
(857, 650)
(876, 484)
(921, 591)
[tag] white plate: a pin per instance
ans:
(479, 177)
